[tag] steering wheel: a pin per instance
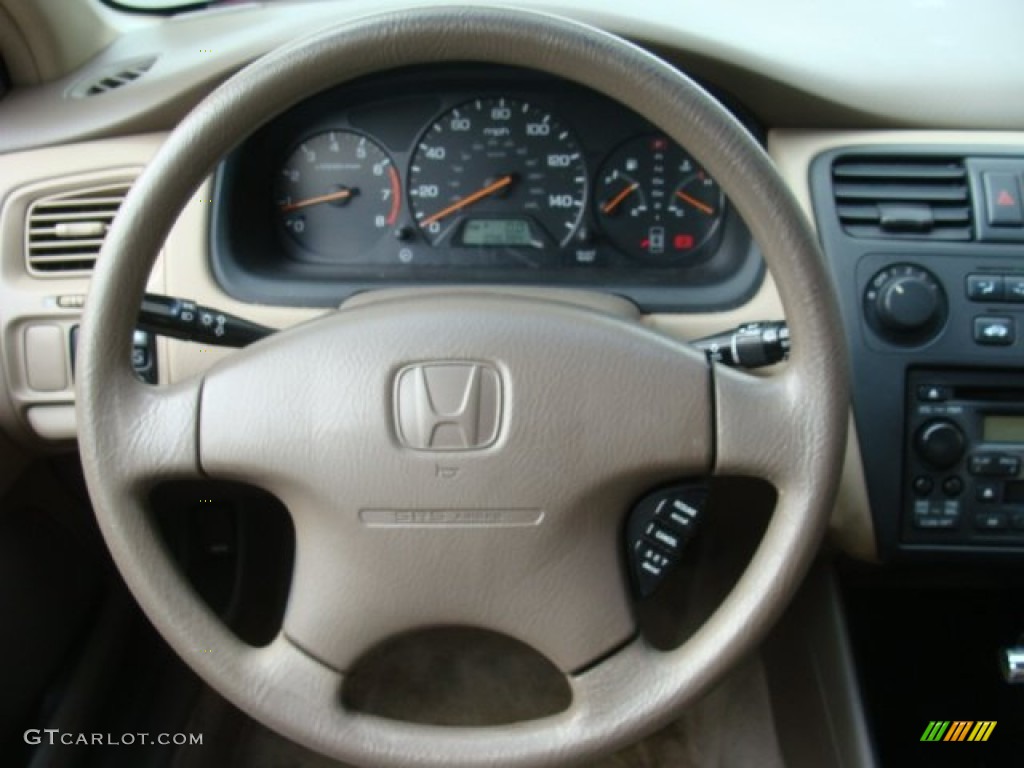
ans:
(584, 412)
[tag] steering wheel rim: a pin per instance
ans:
(788, 428)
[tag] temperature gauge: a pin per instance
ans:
(655, 202)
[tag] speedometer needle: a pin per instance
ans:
(341, 194)
(612, 204)
(702, 207)
(458, 205)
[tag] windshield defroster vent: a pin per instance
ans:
(113, 77)
(64, 233)
(908, 198)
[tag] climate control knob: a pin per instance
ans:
(905, 304)
(941, 443)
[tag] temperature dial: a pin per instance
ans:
(656, 203)
(905, 304)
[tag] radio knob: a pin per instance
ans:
(941, 443)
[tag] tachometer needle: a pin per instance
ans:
(612, 204)
(700, 206)
(341, 194)
(458, 205)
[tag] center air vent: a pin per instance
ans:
(908, 198)
(64, 233)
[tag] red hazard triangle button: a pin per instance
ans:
(1002, 199)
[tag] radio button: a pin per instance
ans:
(993, 464)
(953, 486)
(985, 287)
(923, 485)
(932, 393)
(1009, 466)
(994, 331)
(991, 521)
(987, 493)
(1014, 288)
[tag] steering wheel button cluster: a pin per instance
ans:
(659, 527)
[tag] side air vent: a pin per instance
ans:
(64, 233)
(907, 198)
(112, 77)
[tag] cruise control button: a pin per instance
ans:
(985, 287)
(994, 331)
(657, 531)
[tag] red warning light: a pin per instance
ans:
(659, 145)
(1005, 199)
(682, 242)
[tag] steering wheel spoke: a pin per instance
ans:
(151, 432)
(760, 426)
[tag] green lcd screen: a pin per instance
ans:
(497, 232)
(1003, 429)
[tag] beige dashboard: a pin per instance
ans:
(38, 310)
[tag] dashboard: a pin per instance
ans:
(469, 174)
(809, 102)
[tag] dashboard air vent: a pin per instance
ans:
(909, 198)
(64, 233)
(113, 77)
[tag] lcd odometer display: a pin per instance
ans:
(498, 232)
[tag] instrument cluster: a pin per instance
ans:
(490, 175)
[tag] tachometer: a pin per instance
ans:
(337, 193)
(497, 172)
(655, 202)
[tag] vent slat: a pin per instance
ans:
(900, 171)
(64, 233)
(70, 245)
(903, 198)
(902, 192)
(113, 77)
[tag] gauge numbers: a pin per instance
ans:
(496, 172)
(337, 194)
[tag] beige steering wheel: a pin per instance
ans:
(595, 410)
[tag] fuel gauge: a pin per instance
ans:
(654, 202)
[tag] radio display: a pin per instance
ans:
(1003, 429)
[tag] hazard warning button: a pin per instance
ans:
(1002, 200)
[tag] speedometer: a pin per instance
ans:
(497, 172)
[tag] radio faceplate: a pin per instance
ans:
(964, 448)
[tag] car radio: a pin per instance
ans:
(965, 449)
